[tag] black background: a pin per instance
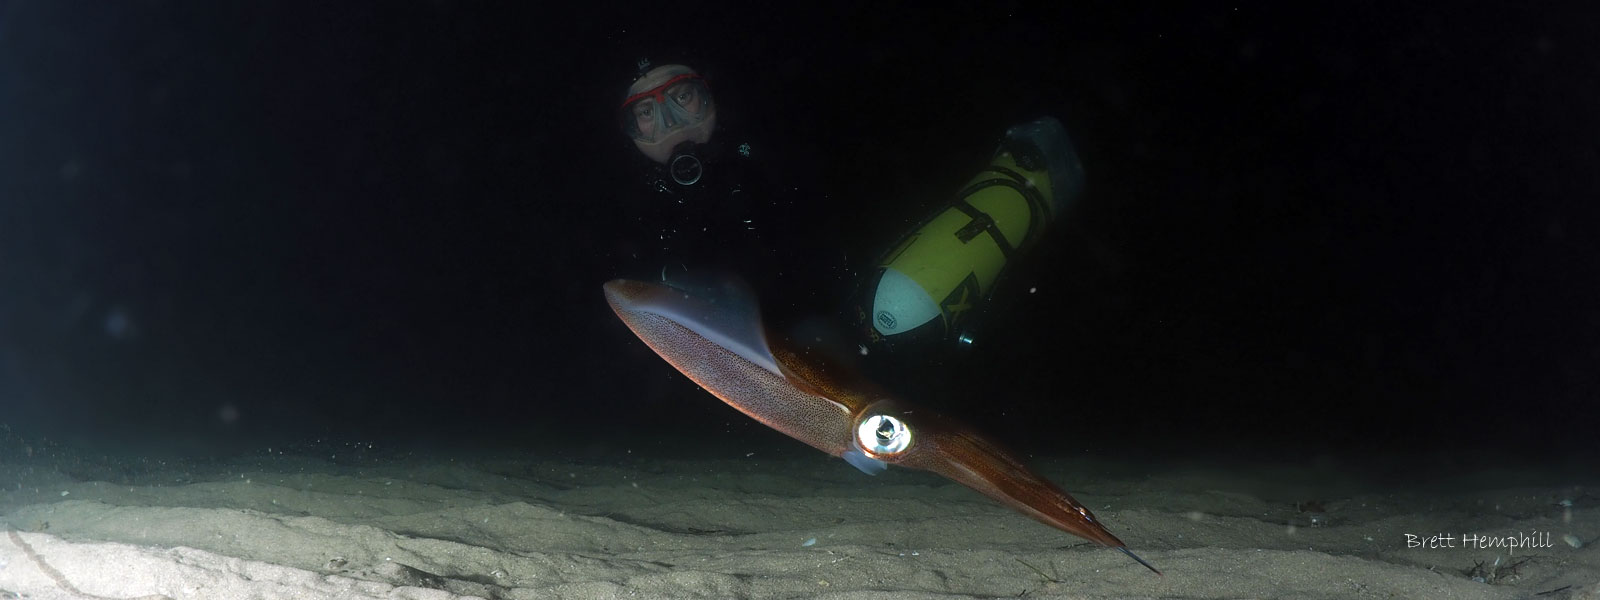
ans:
(1338, 231)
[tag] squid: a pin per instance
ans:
(714, 335)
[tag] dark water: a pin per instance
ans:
(1305, 232)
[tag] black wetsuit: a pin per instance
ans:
(741, 217)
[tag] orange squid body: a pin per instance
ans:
(714, 335)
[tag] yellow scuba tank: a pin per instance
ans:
(925, 289)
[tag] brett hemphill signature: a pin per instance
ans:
(1531, 539)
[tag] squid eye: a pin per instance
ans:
(883, 434)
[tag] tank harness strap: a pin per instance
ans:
(982, 222)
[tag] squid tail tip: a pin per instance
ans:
(1125, 550)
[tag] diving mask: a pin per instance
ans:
(665, 107)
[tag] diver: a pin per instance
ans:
(710, 204)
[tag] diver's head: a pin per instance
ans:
(665, 107)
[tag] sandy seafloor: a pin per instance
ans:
(337, 522)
